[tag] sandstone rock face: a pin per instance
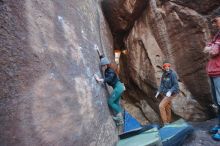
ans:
(177, 31)
(121, 15)
(48, 95)
(203, 7)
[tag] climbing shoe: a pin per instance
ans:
(119, 123)
(166, 124)
(118, 117)
(214, 130)
(216, 136)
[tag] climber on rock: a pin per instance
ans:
(168, 89)
(213, 70)
(111, 78)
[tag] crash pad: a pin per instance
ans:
(130, 123)
(147, 138)
(175, 133)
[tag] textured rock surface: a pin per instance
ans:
(201, 6)
(121, 15)
(174, 30)
(48, 95)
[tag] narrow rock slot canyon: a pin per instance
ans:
(48, 94)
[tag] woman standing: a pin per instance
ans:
(213, 70)
(111, 78)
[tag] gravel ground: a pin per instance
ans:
(201, 137)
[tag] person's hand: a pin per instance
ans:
(157, 94)
(123, 87)
(168, 94)
(207, 49)
(97, 78)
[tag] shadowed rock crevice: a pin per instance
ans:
(121, 15)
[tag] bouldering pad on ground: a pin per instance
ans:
(175, 133)
(130, 123)
(148, 138)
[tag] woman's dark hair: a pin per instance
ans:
(114, 67)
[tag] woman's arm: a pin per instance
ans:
(98, 79)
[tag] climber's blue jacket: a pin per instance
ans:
(110, 77)
(169, 82)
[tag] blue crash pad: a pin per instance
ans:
(130, 123)
(175, 133)
(146, 138)
(138, 131)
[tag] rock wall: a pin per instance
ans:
(174, 30)
(48, 95)
(121, 15)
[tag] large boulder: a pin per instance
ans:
(48, 95)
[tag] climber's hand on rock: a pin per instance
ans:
(97, 78)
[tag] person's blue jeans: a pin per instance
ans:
(114, 99)
(215, 88)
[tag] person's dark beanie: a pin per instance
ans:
(216, 13)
